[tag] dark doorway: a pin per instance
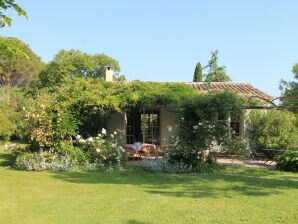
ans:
(143, 125)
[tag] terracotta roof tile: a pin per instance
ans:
(242, 88)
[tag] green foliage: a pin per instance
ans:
(216, 73)
(74, 63)
(11, 120)
(7, 126)
(49, 161)
(19, 65)
(237, 146)
(48, 123)
(29, 161)
(166, 165)
(288, 161)
(7, 4)
(198, 75)
(82, 105)
(273, 129)
(290, 92)
(200, 127)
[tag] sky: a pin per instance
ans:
(162, 40)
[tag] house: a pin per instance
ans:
(155, 124)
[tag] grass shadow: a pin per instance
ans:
(248, 181)
(6, 159)
(133, 221)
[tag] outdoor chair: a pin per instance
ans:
(139, 149)
(161, 150)
(130, 152)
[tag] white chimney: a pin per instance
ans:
(109, 74)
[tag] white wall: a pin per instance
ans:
(168, 126)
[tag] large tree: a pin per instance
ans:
(19, 65)
(198, 75)
(290, 91)
(8, 4)
(215, 73)
(74, 63)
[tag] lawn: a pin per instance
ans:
(234, 195)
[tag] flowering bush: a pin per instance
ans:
(203, 124)
(104, 148)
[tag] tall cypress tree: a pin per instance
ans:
(198, 76)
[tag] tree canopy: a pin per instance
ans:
(198, 75)
(8, 4)
(290, 91)
(74, 63)
(215, 73)
(19, 65)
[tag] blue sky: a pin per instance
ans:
(162, 40)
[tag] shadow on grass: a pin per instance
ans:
(6, 159)
(133, 221)
(250, 182)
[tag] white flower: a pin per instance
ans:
(78, 137)
(97, 150)
(200, 123)
(90, 139)
(114, 145)
(23, 108)
(82, 140)
(195, 127)
(104, 131)
(115, 132)
(112, 136)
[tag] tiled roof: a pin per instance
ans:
(241, 88)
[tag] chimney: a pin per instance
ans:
(109, 74)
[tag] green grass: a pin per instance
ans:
(134, 196)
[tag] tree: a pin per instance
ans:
(74, 63)
(19, 65)
(7, 4)
(216, 73)
(198, 75)
(290, 92)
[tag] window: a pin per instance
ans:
(235, 125)
(150, 126)
(232, 121)
(143, 126)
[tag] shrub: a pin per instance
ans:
(104, 148)
(288, 161)
(74, 153)
(29, 161)
(165, 165)
(273, 129)
(53, 161)
(203, 122)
